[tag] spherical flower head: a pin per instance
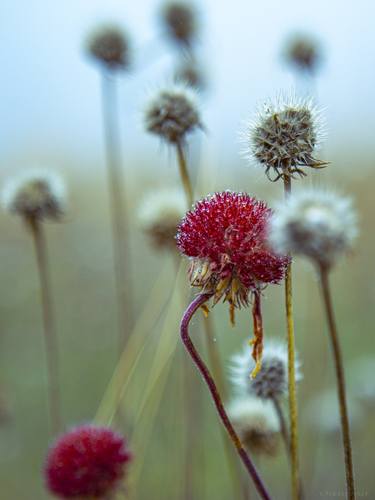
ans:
(109, 46)
(225, 237)
(159, 215)
(191, 74)
(284, 136)
(35, 195)
(86, 462)
(315, 223)
(303, 52)
(180, 21)
(257, 425)
(172, 114)
(271, 381)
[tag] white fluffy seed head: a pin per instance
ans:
(257, 424)
(272, 379)
(172, 113)
(284, 136)
(159, 215)
(35, 194)
(320, 225)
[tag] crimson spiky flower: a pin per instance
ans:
(225, 237)
(86, 462)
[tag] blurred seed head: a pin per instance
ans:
(180, 21)
(159, 215)
(86, 462)
(109, 46)
(303, 52)
(257, 425)
(271, 381)
(324, 416)
(362, 382)
(35, 194)
(191, 74)
(320, 225)
(284, 136)
(172, 114)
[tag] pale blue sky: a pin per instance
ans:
(50, 100)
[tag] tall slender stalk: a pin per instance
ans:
(292, 387)
(117, 207)
(184, 330)
(283, 424)
(184, 174)
(340, 380)
(50, 338)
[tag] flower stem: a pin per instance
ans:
(50, 338)
(292, 389)
(184, 330)
(117, 207)
(184, 174)
(340, 380)
(283, 424)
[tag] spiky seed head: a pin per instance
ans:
(191, 74)
(172, 114)
(159, 215)
(180, 21)
(320, 225)
(35, 195)
(284, 136)
(271, 381)
(303, 52)
(225, 237)
(86, 462)
(257, 425)
(109, 46)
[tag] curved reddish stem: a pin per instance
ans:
(184, 330)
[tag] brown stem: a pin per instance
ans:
(340, 380)
(184, 330)
(184, 174)
(292, 387)
(50, 338)
(118, 210)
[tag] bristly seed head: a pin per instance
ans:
(284, 136)
(35, 195)
(86, 462)
(172, 114)
(303, 52)
(271, 381)
(191, 74)
(225, 237)
(180, 21)
(159, 215)
(257, 425)
(317, 224)
(109, 46)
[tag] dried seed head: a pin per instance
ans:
(284, 137)
(324, 415)
(172, 114)
(35, 194)
(190, 74)
(180, 21)
(317, 224)
(257, 425)
(271, 381)
(109, 46)
(159, 215)
(225, 237)
(86, 462)
(303, 52)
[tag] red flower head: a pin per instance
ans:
(225, 236)
(86, 462)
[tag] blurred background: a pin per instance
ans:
(51, 117)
